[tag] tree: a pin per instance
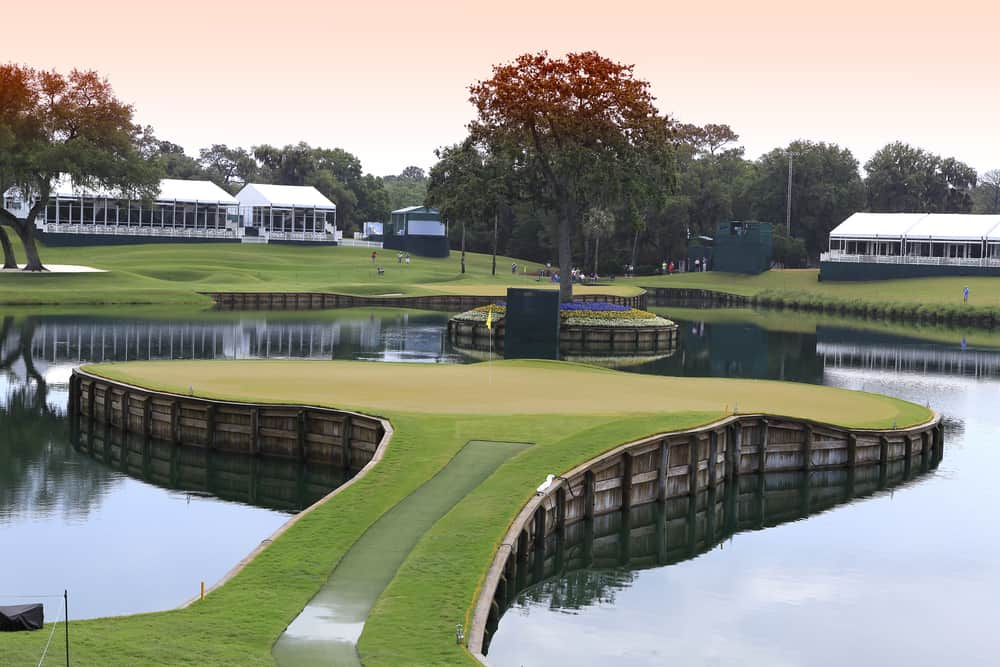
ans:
(226, 166)
(986, 196)
(583, 129)
(826, 189)
(73, 125)
(902, 178)
(409, 188)
(597, 223)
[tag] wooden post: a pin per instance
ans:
(175, 421)
(210, 426)
(123, 406)
(74, 395)
(588, 495)
(662, 471)
(626, 482)
(561, 512)
(807, 442)
(762, 466)
(883, 451)
(107, 404)
(693, 466)
(737, 445)
(908, 447)
(147, 416)
(925, 450)
(303, 430)
(255, 431)
(91, 405)
(713, 455)
(345, 440)
(852, 450)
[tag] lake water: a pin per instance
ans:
(120, 534)
(872, 577)
(905, 575)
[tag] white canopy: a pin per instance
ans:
(919, 227)
(297, 196)
(171, 189)
(876, 225)
(954, 227)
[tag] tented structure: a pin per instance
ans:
(870, 246)
(288, 213)
(418, 230)
(77, 215)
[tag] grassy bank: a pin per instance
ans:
(435, 410)
(915, 299)
(177, 273)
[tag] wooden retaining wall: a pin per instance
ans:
(575, 340)
(302, 433)
(694, 298)
(450, 303)
(662, 468)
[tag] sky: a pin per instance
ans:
(388, 81)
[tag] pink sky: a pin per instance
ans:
(388, 81)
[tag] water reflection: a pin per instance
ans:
(598, 558)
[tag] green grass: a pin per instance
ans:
(572, 412)
(908, 299)
(175, 274)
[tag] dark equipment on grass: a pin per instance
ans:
(15, 618)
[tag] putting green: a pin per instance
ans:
(509, 388)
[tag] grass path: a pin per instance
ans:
(435, 411)
(327, 630)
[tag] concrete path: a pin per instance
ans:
(327, 630)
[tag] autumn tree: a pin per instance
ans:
(72, 125)
(907, 179)
(583, 128)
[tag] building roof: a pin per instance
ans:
(955, 226)
(416, 209)
(265, 194)
(171, 189)
(920, 226)
(876, 225)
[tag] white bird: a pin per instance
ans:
(545, 485)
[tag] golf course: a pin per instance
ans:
(567, 413)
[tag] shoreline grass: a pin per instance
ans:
(435, 410)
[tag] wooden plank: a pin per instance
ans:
(626, 481)
(762, 465)
(661, 471)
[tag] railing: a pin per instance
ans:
(297, 236)
(836, 256)
(357, 243)
(135, 230)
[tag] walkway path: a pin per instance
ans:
(327, 630)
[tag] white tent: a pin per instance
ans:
(288, 212)
(916, 237)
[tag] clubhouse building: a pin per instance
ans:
(879, 246)
(182, 211)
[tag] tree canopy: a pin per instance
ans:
(906, 179)
(583, 128)
(72, 125)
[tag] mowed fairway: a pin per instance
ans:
(508, 388)
(178, 273)
(570, 412)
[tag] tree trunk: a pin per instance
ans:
(586, 250)
(495, 219)
(463, 246)
(597, 248)
(9, 260)
(565, 254)
(26, 232)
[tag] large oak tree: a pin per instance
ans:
(583, 128)
(72, 125)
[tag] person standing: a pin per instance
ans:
(373, 256)
(965, 294)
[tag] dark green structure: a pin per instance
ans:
(531, 325)
(742, 247)
(417, 230)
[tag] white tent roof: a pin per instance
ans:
(264, 194)
(171, 189)
(876, 225)
(919, 226)
(955, 226)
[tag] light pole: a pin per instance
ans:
(788, 198)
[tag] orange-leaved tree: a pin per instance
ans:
(72, 126)
(583, 129)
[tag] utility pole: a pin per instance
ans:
(788, 200)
